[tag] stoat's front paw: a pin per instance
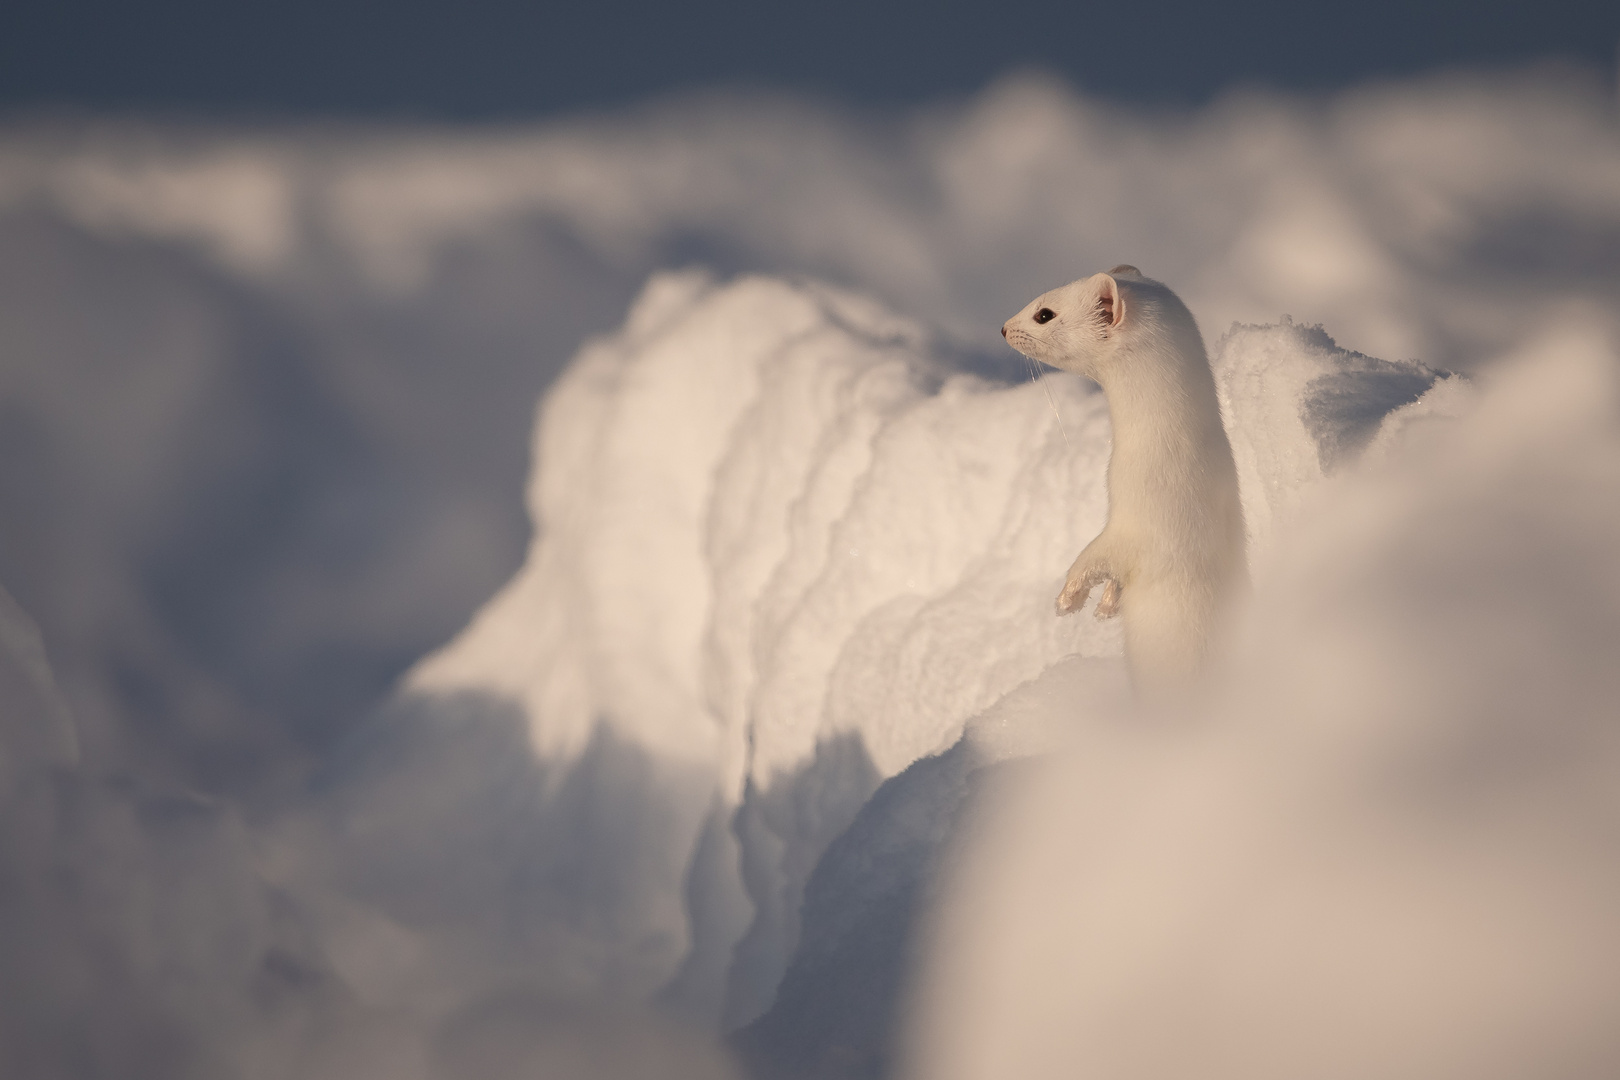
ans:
(1108, 602)
(1076, 589)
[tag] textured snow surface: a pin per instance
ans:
(766, 517)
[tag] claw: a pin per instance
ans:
(1072, 599)
(1108, 602)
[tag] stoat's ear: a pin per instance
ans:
(1111, 301)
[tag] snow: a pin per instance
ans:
(131, 916)
(703, 766)
(1297, 407)
(38, 726)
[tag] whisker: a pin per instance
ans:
(1035, 377)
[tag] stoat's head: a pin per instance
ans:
(1076, 327)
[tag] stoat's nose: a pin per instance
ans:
(1003, 331)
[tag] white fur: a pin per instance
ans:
(1172, 553)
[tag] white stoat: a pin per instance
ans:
(1172, 552)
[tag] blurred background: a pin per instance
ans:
(505, 60)
(281, 286)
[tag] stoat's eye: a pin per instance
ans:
(1045, 315)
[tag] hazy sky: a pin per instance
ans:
(485, 58)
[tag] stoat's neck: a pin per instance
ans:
(1167, 429)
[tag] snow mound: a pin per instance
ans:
(766, 517)
(781, 542)
(1298, 407)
